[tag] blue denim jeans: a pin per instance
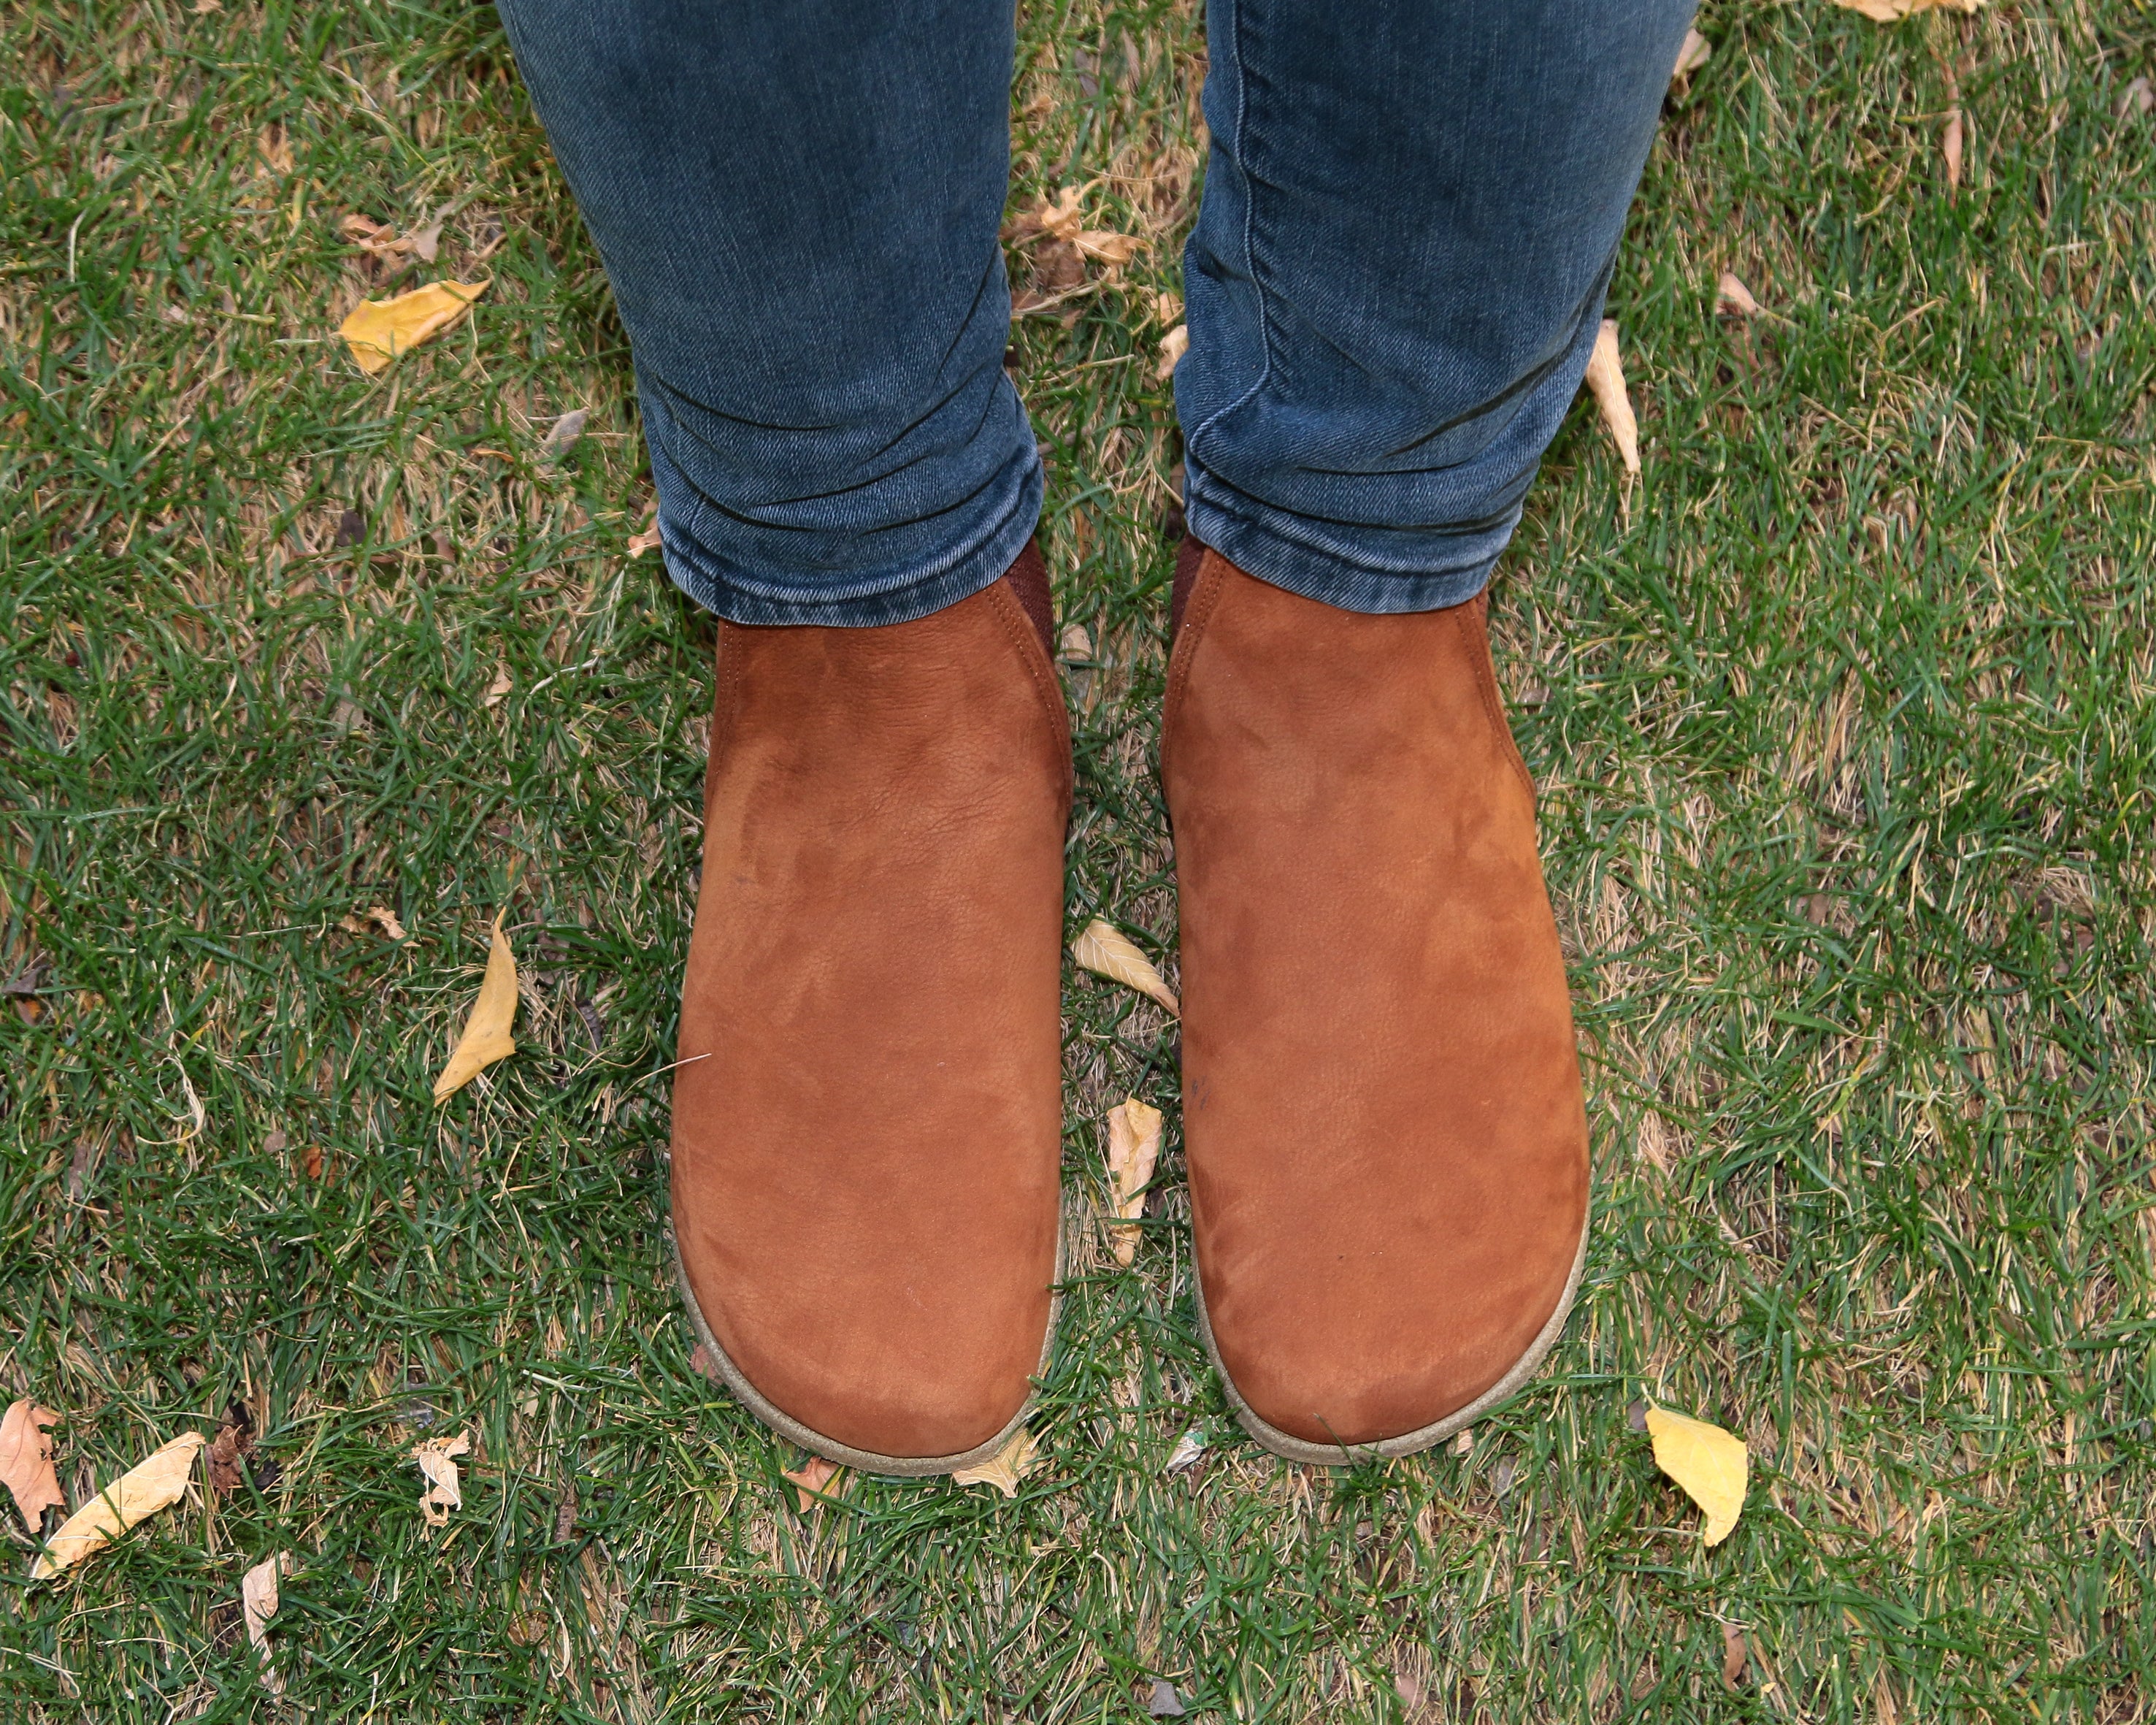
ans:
(1396, 276)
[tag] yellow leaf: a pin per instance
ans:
(379, 330)
(1105, 951)
(1172, 346)
(444, 1492)
(1707, 1461)
(1017, 1458)
(1605, 379)
(1133, 1148)
(487, 1038)
(142, 1490)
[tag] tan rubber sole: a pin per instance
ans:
(867, 1461)
(1271, 1437)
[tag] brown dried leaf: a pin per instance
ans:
(1019, 1456)
(26, 1460)
(151, 1484)
(1733, 298)
(1891, 12)
(427, 242)
(1735, 1656)
(705, 1363)
(1950, 144)
(811, 1481)
(1134, 1149)
(487, 1038)
(444, 1492)
(501, 685)
(1172, 346)
(1691, 57)
(1605, 378)
(1106, 951)
(310, 1160)
(377, 331)
(1113, 249)
(257, 1600)
(648, 540)
(227, 1449)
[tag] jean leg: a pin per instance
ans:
(1411, 218)
(798, 208)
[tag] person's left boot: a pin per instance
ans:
(1381, 1106)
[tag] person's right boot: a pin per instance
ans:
(867, 1113)
(1382, 1112)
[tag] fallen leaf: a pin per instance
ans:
(2139, 97)
(26, 1460)
(1075, 645)
(436, 1458)
(1133, 1148)
(377, 331)
(1113, 249)
(1017, 1458)
(1605, 378)
(1691, 57)
(705, 1363)
(811, 1479)
(563, 434)
(229, 1449)
(151, 1484)
(1706, 1461)
(1889, 11)
(650, 540)
(203, 8)
(1189, 1451)
(1735, 1655)
(1106, 951)
(1950, 143)
(500, 686)
(487, 1038)
(381, 916)
(1463, 1444)
(1167, 308)
(1064, 221)
(258, 1599)
(1172, 346)
(427, 241)
(310, 1160)
(1732, 297)
(1165, 1703)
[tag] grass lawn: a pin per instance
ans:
(1845, 717)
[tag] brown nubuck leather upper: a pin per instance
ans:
(1381, 1106)
(867, 1120)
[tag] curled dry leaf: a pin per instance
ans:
(427, 241)
(379, 916)
(1172, 346)
(26, 1460)
(487, 1038)
(564, 434)
(1732, 298)
(1605, 379)
(1073, 645)
(377, 331)
(1063, 222)
(2139, 97)
(1735, 1656)
(1017, 1458)
(501, 685)
(1168, 307)
(1133, 1148)
(148, 1487)
(1189, 1451)
(229, 1449)
(1104, 950)
(705, 1363)
(1691, 57)
(1708, 1462)
(437, 1459)
(258, 1599)
(650, 539)
(1889, 12)
(1950, 144)
(812, 1480)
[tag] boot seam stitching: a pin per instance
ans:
(1486, 680)
(1195, 617)
(1023, 636)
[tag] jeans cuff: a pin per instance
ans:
(958, 575)
(1379, 570)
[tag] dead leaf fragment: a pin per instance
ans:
(1605, 379)
(1075, 646)
(1691, 57)
(1189, 1451)
(648, 540)
(377, 331)
(1891, 12)
(310, 1160)
(1950, 143)
(1735, 1656)
(812, 1481)
(1019, 1456)
(444, 1492)
(501, 685)
(487, 1038)
(563, 434)
(427, 241)
(1172, 346)
(1133, 1148)
(380, 916)
(2139, 97)
(1164, 1702)
(1733, 299)
(150, 1485)
(229, 1449)
(26, 1460)
(1706, 1461)
(257, 1600)
(1063, 222)
(705, 1363)
(1106, 951)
